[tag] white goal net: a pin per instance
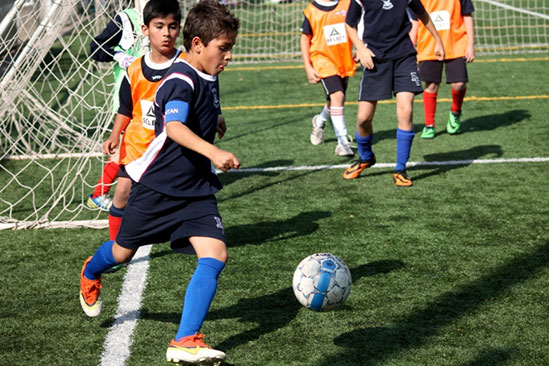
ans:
(55, 100)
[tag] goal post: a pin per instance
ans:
(54, 99)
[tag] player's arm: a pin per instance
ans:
(120, 123)
(352, 19)
(123, 117)
(184, 136)
(439, 47)
(305, 43)
(470, 30)
(221, 127)
(176, 113)
(102, 46)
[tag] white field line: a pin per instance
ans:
(100, 224)
(519, 10)
(116, 349)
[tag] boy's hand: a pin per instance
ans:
(123, 59)
(312, 75)
(365, 57)
(225, 161)
(439, 51)
(110, 145)
(470, 53)
(221, 127)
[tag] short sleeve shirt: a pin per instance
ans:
(386, 25)
(166, 166)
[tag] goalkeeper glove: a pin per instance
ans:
(123, 59)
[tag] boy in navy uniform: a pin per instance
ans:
(389, 66)
(173, 194)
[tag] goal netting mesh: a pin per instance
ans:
(54, 99)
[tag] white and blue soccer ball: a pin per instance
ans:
(322, 282)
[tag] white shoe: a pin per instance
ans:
(193, 350)
(318, 133)
(344, 150)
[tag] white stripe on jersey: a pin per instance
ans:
(179, 76)
(138, 167)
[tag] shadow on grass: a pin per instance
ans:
(302, 224)
(480, 123)
(374, 346)
(462, 158)
(492, 357)
(275, 311)
(270, 312)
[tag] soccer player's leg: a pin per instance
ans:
(404, 137)
(93, 268)
(456, 75)
(363, 137)
(200, 220)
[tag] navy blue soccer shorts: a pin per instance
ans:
(389, 77)
(334, 84)
(153, 217)
(456, 71)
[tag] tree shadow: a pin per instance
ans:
(302, 224)
(273, 311)
(447, 161)
(493, 121)
(492, 357)
(377, 345)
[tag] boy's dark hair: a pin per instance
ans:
(208, 20)
(161, 9)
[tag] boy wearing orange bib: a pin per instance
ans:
(454, 23)
(327, 54)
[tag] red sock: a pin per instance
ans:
(429, 108)
(110, 172)
(114, 226)
(457, 100)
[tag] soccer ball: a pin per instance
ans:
(322, 282)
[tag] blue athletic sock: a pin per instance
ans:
(364, 145)
(101, 261)
(200, 293)
(404, 145)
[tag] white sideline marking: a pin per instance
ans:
(390, 165)
(116, 348)
(100, 224)
(505, 6)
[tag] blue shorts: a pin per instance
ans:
(153, 217)
(456, 71)
(388, 77)
(334, 84)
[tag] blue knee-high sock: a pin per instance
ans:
(404, 145)
(364, 145)
(199, 296)
(101, 261)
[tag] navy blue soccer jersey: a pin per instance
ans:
(187, 96)
(386, 25)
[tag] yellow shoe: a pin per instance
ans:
(401, 179)
(192, 349)
(357, 167)
(90, 294)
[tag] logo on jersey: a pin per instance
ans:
(335, 34)
(387, 5)
(219, 224)
(441, 19)
(215, 98)
(414, 78)
(147, 110)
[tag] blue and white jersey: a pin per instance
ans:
(386, 25)
(187, 96)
